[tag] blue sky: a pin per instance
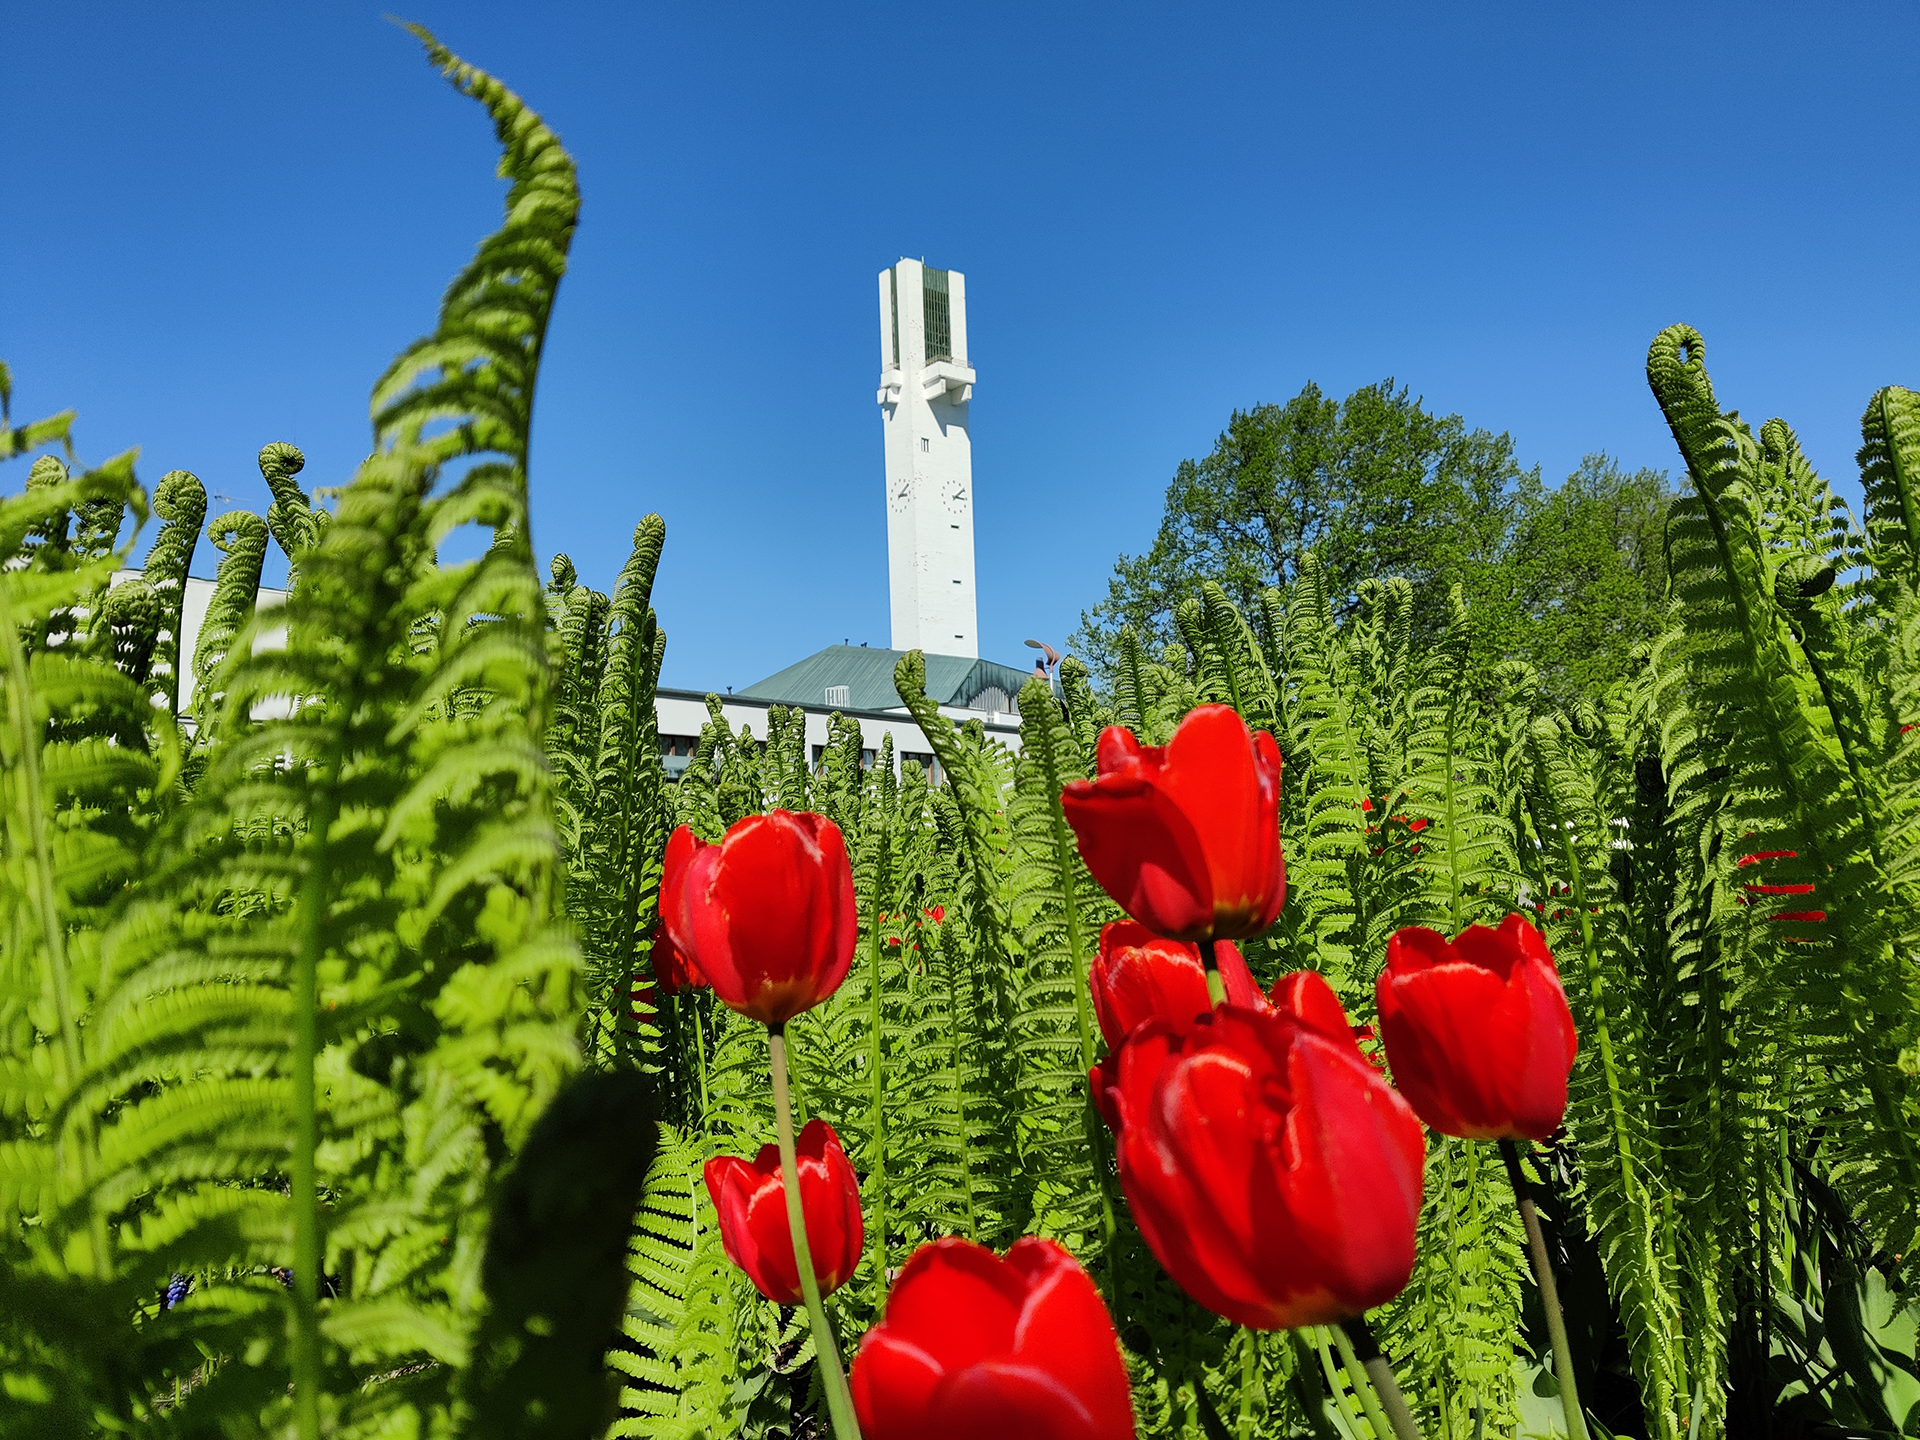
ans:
(222, 221)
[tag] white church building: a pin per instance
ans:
(926, 386)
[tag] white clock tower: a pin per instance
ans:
(925, 385)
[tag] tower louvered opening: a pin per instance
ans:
(937, 313)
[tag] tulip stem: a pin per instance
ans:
(1357, 1345)
(1345, 1404)
(1549, 1294)
(833, 1378)
(1216, 987)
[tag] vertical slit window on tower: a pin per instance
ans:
(937, 314)
(893, 284)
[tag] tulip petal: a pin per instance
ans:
(777, 1276)
(1143, 851)
(1493, 950)
(963, 1303)
(1065, 1332)
(893, 1382)
(1355, 1187)
(1306, 995)
(1271, 1169)
(1240, 985)
(999, 1398)
(972, 1345)
(1138, 976)
(1537, 1089)
(1455, 1020)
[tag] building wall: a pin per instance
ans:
(679, 714)
(929, 469)
(196, 597)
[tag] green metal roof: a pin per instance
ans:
(868, 676)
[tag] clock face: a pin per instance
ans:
(898, 493)
(954, 493)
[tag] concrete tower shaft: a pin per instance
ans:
(926, 384)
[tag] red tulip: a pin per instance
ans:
(672, 969)
(1272, 1170)
(1478, 1031)
(767, 914)
(752, 1203)
(1186, 837)
(973, 1345)
(1139, 975)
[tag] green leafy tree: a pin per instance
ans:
(1375, 485)
(1586, 575)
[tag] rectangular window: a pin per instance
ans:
(937, 314)
(839, 695)
(893, 284)
(925, 445)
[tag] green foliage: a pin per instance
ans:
(1585, 575)
(1373, 487)
(273, 1029)
(336, 1095)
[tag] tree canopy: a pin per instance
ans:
(1376, 485)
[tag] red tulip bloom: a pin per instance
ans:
(1273, 1171)
(752, 1203)
(1139, 977)
(1186, 836)
(671, 969)
(973, 1345)
(767, 914)
(1478, 1031)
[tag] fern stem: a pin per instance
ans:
(957, 1089)
(1549, 1294)
(1066, 858)
(1249, 1344)
(306, 1124)
(699, 1053)
(1453, 815)
(1616, 1104)
(1356, 1343)
(877, 1159)
(38, 824)
(833, 1378)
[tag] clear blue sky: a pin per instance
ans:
(221, 221)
